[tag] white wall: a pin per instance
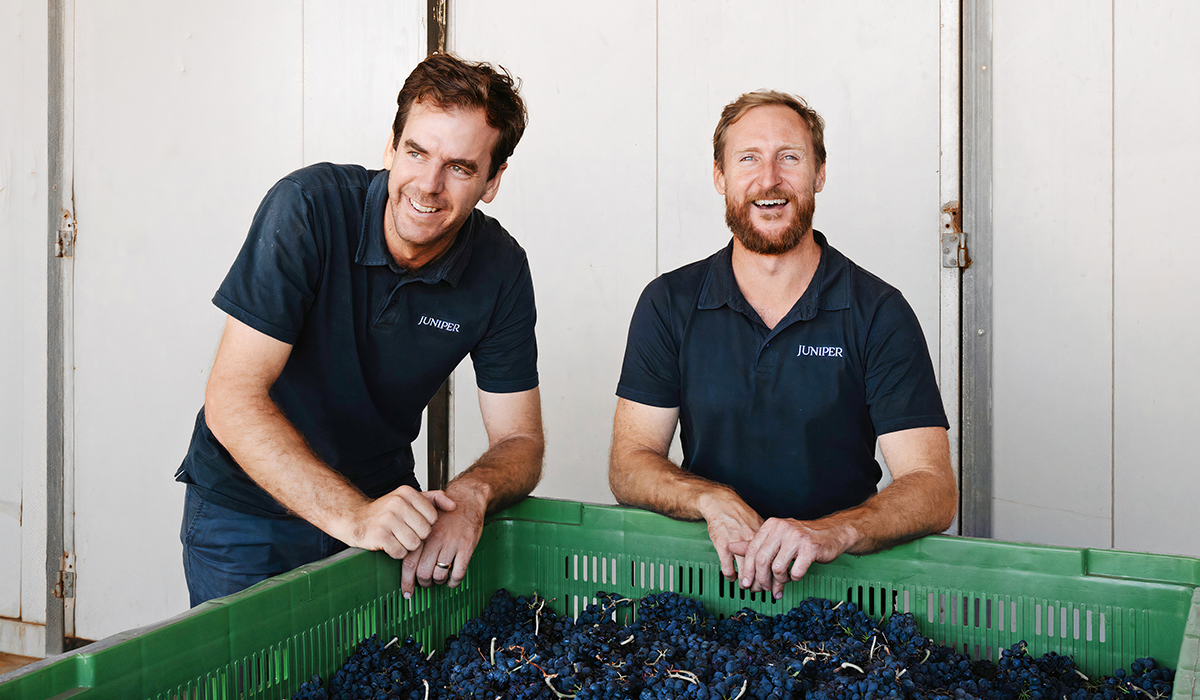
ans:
(1096, 322)
(579, 196)
(1053, 272)
(23, 264)
(1156, 319)
(612, 183)
(185, 116)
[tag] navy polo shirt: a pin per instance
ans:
(371, 342)
(787, 416)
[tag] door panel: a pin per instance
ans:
(185, 116)
(1156, 317)
(1052, 247)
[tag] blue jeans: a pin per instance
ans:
(225, 551)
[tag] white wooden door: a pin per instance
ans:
(23, 266)
(185, 114)
(1096, 321)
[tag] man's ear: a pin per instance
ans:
(389, 152)
(718, 178)
(493, 185)
(820, 183)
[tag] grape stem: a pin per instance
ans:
(493, 655)
(394, 640)
(537, 617)
(552, 688)
(426, 682)
(847, 664)
(683, 675)
(743, 690)
(661, 654)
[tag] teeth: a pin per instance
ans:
(769, 202)
(423, 210)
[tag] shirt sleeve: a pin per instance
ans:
(902, 389)
(650, 371)
(505, 359)
(272, 283)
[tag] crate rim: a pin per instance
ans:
(1177, 570)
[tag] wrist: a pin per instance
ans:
(846, 535)
(345, 522)
(475, 497)
(712, 500)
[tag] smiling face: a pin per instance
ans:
(438, 173)
(770, 179)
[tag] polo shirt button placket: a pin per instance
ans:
(766, 361)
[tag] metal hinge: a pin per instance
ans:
(954, 241)
(65, 588)
(954, 250)
(64, 244)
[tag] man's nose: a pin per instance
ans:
(770, 174)
(431, 179)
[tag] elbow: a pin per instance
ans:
(948, 506)
(618, 478)
(947, 518)
(533, 444)
(216, 408)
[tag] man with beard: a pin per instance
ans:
(356, 294)
(783, 362)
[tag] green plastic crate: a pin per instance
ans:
(1102, 607)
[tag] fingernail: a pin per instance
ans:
(745, 583)
(407, 595)
(778, 595)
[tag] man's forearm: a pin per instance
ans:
(502, 476)
(918, 504)
(645, 479)
(272, 452)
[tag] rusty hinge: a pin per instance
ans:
(954, 241)
(954, 250)
(64, 244)
(65, 588)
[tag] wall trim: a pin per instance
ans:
(976, 511)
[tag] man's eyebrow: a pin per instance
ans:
(464, 163)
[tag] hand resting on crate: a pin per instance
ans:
(509, 469)
(272, 452)
(766, 554)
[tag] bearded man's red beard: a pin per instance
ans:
(737, 217)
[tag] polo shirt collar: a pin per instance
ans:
(828, 291)
(372, 244)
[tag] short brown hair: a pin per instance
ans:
(448, 81)
(761, 98)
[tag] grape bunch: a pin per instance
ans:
(519, 648)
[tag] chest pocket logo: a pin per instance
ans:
(439, 324)
(820, 351)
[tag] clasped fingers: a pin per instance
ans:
(397, 522)
(781, 551)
